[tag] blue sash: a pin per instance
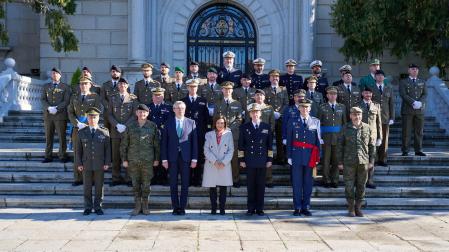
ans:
(330, 129)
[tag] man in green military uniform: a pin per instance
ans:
(413, 92)
(314, 96)
(77, 115)
(55, 98)
(370, 79)
(371, 116)
(233, 112)
(245, 93)
(332, 116)
(122, 110)
(177, 89)
(109, 89)
(92, 158)
(349, 94)
(85, 71)
(164, 78)
(383, 94)
(142, 88)
(356, 150)
(140, 152)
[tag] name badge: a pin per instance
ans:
(202, 103)
(234, 107)
(265, 131)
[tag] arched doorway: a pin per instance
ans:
(219, 28)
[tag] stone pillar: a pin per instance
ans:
(307, 32)
(136, 32)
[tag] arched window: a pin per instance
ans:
(219, 28)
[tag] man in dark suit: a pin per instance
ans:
(179, 153)
(255, 154)
(228, 72)
(196, 109)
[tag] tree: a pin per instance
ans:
(55, 11)
(369, 27)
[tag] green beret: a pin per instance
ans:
(212, 70)
(179, 69)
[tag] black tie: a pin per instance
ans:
(82, 98)
(212, 87)
(367, 106)
(122, 97)
(146, 83)
(115, 84)
(311, 95)
(414, 80)
(304, 124)
(227, 103)
(347, 88)
(246, 91)
(257, 126)
(274, 90)
(193, 99)
(178, 87)
(55, 85)
(333, 107)
(92, 132)
(380, 89)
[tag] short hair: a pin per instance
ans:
(218, 117)
(177, 103)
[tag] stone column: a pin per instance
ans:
(136, 32)
(307, 32)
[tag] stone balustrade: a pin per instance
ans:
(438, 98)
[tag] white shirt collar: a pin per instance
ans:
(194, 97)
(256, 123)
(302, 118)
(90, 127)
(330, 103)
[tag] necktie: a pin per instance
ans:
(414, 80)
(193, 99)
(333, 107)
(246, 91)
(304, 124)
(256, 126)
(380, 89)
(348, 88)
(122, 97)
(146, 83)
(274, 90)
(367, 106)
(92, 132)
(212, 87)
(82, 98)
(55, 85)
(179, 129)
(115, 84)
(178, 87)
(311, 95)
(227, 103)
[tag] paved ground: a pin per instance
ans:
(67, 229)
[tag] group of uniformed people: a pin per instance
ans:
(159, 131)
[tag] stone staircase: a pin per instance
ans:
(408, 183)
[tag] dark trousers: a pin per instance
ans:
(302, 183)
(213, 197)
(77, 175)
(256, 187)
(280, 157)
(417, 123)
(160, 175)
(182, 168)
(60, 127)
(117, 162)
(98, 178)
(383, 148)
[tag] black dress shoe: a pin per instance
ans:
(77, 183)
(47, 160)
(64, 160)
(420, 153)
(250, 212)
(380, 163)
(306, 212)
(404, 154)
(182, 212)
(296, 212)
(371, 186)
(334, 185)
(260, 212)
(269, 185)
(175, 212)
(222, 212)
(326, 185)
(114, 183)
(87, 211)
(129, 184)
(213, 211)
(99, 211)
(236, 185)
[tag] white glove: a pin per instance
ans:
(418, 104)
(52, 110)
(321, 141)
(120, 128)
(81, 125)
(211, 111)
(277, 115)
(391, 122)
(378, 142)
(284, 141)
(289, 161)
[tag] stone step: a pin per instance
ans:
(278, 191)
(24, 113)
(163, 202)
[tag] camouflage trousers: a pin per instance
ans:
(355, 177)
(141, 173)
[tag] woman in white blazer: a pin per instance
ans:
(218, 151)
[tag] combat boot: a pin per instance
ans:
(137, 206)
(145, 209)
(358, 209)
(351, 212)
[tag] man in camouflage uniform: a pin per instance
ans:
(290, 80)
(177, 89)
(371, 116)
(413, 92)
(245, 93)
(356, 150)
(142, 88)
(349, 93)
(259, 79)
(315, 97)
(55, 98)
(164, 77)
(233, 112)
(93, 158)
(383, 94)
(77, 115)
(122, 110)
(140, 151)
(332, 116)
(277, 97)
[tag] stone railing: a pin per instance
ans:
(18, 92)
(438, 99)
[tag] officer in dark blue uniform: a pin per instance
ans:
(255, 152)
(291, 112)
(303, 153)
(290, 80)
(259, 79)
(196, 109)
(159, 114)
(228, 72)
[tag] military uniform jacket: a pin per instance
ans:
(234, 75)
(172, 94)
(108, 90)
(212, 95)
(386, 101)
(160, 114)
(289, 113)
(121, 112)
(198, 112)
(355, 145)
(143, 91)
(201, 79)
(78, 107)
(296, 132)
(93, 89)
(332, 122)
(371, 117)
(163, 80)
(93, 152)
(245, 98)
(255, 145)
(317, 100)
(233, 114)
(278, 100)
(59, 97)
(140, 144)
(369, 81)
(349, 99)
(267, 116)
(291, 82)
(260, 81)
(411, 92)
(321, 84)
(337, 83)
